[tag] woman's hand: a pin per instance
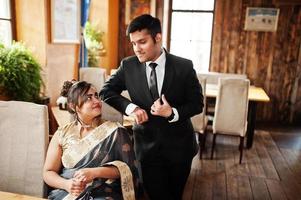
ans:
(75, 187)
(85, 175)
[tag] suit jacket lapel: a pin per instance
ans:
(143, 83)
(168, 75)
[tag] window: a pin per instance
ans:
(191, 31)
(5, 22)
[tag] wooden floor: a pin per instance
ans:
(271, 169)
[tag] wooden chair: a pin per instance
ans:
(212, 80)
(213, 77)
(200, 121)
(111, 114)
(124, 93)
(231, 110)
(113, 71)
(24, 137)
(94, 75)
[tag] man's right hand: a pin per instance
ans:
(140, 115)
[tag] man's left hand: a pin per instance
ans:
(161, 109)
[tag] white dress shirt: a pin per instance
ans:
(160, 72)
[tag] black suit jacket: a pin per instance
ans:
(159, 139)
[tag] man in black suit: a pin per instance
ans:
(165, 94)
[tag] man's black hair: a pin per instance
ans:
(145, 21)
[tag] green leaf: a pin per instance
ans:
(20, 73)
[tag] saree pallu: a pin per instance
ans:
(107, 145)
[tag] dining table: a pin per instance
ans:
(15, 196)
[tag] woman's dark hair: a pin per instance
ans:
(146, 21)
(66, 87)
(75, 93)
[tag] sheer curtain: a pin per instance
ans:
(83, 61)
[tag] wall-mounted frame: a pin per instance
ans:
(287, 2)
(65, 21)
(134, 8)
(261, 19)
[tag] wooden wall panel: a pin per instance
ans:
(105, 14)
(270, 59)
(58, 61)
(61, 66)
(125, 47)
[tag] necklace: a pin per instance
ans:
(86, 125)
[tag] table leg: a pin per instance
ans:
(251, 123)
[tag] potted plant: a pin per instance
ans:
(93, 41)
(20, 77)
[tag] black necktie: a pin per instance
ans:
(153, 81)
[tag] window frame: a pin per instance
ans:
(169, 22)
(12, 19)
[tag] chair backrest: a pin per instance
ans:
(213, 77)
(113, 71)
(126, 94)
(24, 136)
(94, 75)
(231, 107)
(111, 114)
(199, 121)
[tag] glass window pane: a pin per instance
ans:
(193, 5)
(5, 9)
(191, 26)
(191, 37)
(5, 32)
(198, 52)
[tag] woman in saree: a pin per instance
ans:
(90, 158)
